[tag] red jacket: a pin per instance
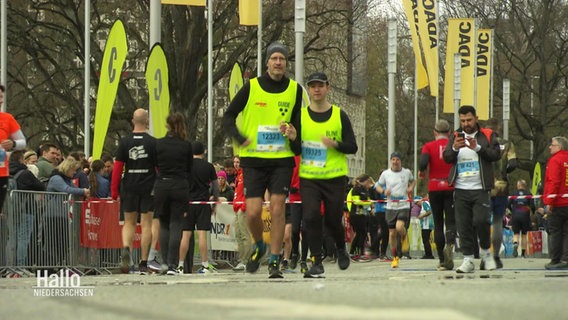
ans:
(556, 180)
(295, 183)
(239, 199)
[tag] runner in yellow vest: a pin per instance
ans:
(265, 154)
(323, 134)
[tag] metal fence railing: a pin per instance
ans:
(50, 230)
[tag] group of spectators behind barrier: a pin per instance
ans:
(50, 231)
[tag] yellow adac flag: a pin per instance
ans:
(428, 30)
(484, 72)
(115, 52)
(537, 177)
(200, 3)
(460, 40)
(411, 11)
(157, 76)
(235, 84)
(248, 12)
(305, 97)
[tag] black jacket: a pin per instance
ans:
(26, 180)
(490, 151)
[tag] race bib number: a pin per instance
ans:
(468, 168)
(314, 154)
(269, 138)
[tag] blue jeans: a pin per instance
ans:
(24, 228)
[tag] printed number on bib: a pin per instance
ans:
(314, 154)
(269, 138)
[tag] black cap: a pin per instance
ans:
(396, 155)
(198, 148)
(317, 76)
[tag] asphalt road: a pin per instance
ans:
(371, 290)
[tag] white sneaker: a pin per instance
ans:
(488, 261)
(466, 267)
(240, 267)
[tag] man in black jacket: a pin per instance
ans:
(471, 151)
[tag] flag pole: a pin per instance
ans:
(300, 26)
(4, 49)
(210, 80)
(87, 83)
(392, 34)
(259, 41)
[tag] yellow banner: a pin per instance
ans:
(115, 52)
(411, 11)
(248, 12)
(428, 30)
(235, 84)
(200, 3)
(460, 40)
(157, 76)
(537, 177)
(484, 72)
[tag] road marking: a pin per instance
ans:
(273, 308)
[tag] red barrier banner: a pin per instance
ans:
(534, 243)
(101, 227)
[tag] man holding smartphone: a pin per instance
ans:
(471, 151)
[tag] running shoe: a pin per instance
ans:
(284, 265)
(257, 254)
(293, 262)
(172, 271)
(343, 259)
(316, 271)
(240, 267)
(466, 267)
(303, 266)
(180, 270)
(394, 263)
(125, 260)
(273, 271)
(154, 265)
(449, 257)
(209, 269)
(142, 269)
(488, 262)
(556, 265)
(498, 263)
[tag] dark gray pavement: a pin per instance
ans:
(371, 290)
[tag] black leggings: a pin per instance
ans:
(332, 193)
(442, 203)
(172, 202)
(359, 224)
(297, 230)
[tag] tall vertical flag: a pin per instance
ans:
(115, 52)
(411, 11)
(484, 74)
(428, 30)
(461, 39)
(537, 177)
(157, 76)
(248, 12)
(235, 84)
(199, 3)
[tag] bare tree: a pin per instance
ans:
(46, 59)
(531, 40)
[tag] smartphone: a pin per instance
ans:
(460, 135)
